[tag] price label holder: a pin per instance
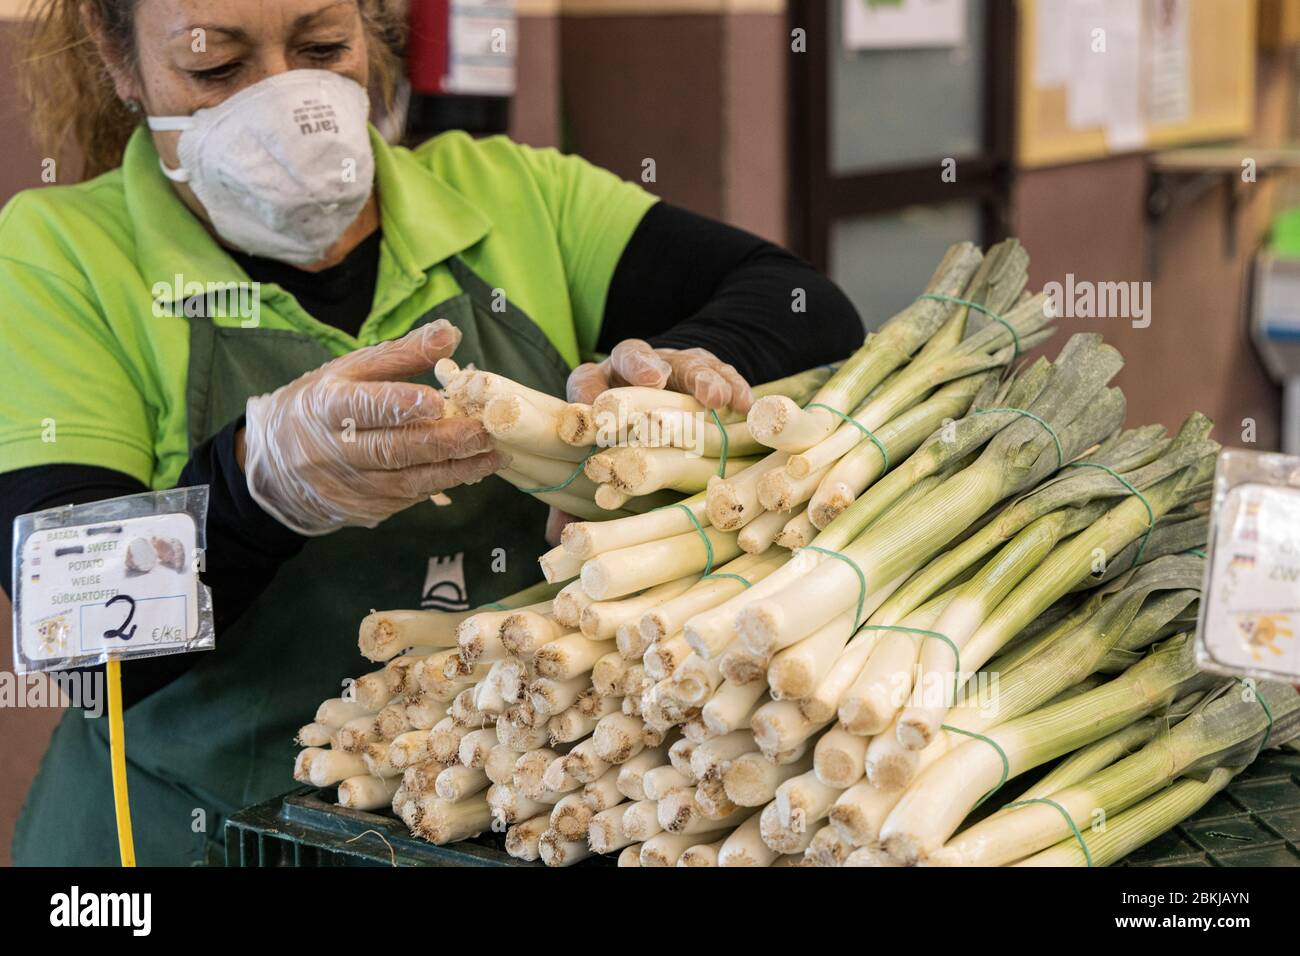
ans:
(108, 581)
(1249, 619)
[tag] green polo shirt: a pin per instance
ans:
(94, 359)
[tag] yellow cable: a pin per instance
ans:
(117, 755)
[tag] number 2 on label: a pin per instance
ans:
(122, 631)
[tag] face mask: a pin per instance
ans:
(282, 167)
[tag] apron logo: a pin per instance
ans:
(444, 584)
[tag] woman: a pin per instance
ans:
(229, 149)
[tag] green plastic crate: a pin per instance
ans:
(1254, 822)
(303, 828)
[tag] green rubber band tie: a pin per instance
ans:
(956, 677)
(1015, 339)
(1060, 452)
(1006, 764)
(862, 578)
(1267, 712)
(728, 574)
(567, 481)
(726, 443)
(1196, 551)
(708, 545)
(1151, 515)
(859, 426)
(1083, 844)
(494, 606)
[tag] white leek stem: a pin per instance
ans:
(607, 674)
(458, 782)
(444, 822)
(712, 757)
(733, 705)
(665, 849)
(779, 726)
(523, 839)
(586, 539)
(757, 536)
(701, 854)
(475, 747)
(582, 764)
(570, 816)
(601, 619)
(570, 656)
(559, 565)
(733, 501)
(618, 738)
(336, 712)
(578, 722)
(630, 855)
(569, 605)
(671, 616)
(605, 830)
(313, 735)
(523, 632)
(617, 573)
(797, 532)
(745, 846)
(499, 764)
(367, 793)
(602, 793)
(751, 780)
(803, 801)
(795, 671)
(631, 773)
(641, 821)
(556, 777)
(385, 634)
(779, 490)
(518, 422)
(660, 781)
(558, 850)
(695, 680)
(664, 656)
(781, 837)
(409, 748)
(840, 758)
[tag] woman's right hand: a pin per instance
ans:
(349, 444)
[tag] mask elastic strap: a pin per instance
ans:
(167, 124)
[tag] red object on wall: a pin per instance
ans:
(428, 45)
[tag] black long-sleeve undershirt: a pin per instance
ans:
(683, 281)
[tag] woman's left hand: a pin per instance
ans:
(712, 382)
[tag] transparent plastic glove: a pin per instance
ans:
(696, 372)
(348, 444)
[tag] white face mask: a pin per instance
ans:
(282, 167)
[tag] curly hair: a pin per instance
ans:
(73, 107)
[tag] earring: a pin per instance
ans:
(132, 106)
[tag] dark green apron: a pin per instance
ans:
(221, 737)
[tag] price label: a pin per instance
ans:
(1251, 622)
(128, 587)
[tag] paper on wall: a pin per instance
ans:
(1125, 124)
(1051, 43)
(1103, 87)
(1168, 71)
(876, 24)
(1085, 103)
